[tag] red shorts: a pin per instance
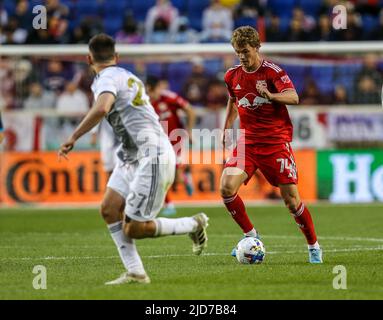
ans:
(276, 162)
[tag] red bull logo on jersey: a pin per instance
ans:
(252, 101)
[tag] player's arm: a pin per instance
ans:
(190, 119)
(288, 96)
(101, 107)
(231, 115)
(1, 131)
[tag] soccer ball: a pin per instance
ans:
(250, 251)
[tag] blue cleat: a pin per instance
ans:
(315, 256)
(234, 251)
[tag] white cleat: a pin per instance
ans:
(199, 237)
(127, 277)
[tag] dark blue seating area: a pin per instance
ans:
(112, 11)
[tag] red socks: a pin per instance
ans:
(303, 219)
(237, 210)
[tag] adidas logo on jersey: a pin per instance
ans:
(238, 87)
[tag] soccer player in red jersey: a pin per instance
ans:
(258, 92)
(167, 105)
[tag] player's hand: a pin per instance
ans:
(65, 148)
(264, 92)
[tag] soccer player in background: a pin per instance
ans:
(1, 130)
(146, 164)
(258, 92)
(167, 104)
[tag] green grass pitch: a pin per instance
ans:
(79, 255)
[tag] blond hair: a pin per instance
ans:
(245, 35)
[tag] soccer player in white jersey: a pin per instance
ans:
(146, 167)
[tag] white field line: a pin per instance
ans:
(235, 236)
(187, 204)
(380, 248)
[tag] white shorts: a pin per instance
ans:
(144, 184)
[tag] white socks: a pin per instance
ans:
(165, 226)
(252, 233)
(127, 249)
(314, 246)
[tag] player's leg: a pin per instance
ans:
(231, 180)
(154, 179)
(303, 219)
(188, 180)
(169, 207)
(112, 209)
(278, 166)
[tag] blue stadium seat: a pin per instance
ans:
(344, 74)
(213, 66)
(297, 75)
(194, 12)
(156, 70)
(177, 74)
(310, 7)
(245, 21)
(111, 26)
(369, 22)
(9, 6)
(140, 8)
(128, 66)
(114, 8)
(181, 5)
(282, 8)
(324, 77)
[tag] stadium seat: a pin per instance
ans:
(177, 74)
(310, 7)
(344, 74)
(213, 66)
(324, 76)
(156, 70)
(194, 13)
(140, 8)
(181, 5)
(282, 8)
(297, 75)
(245, 21)
(111, 26)
(369, 22)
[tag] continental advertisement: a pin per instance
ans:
(29, 178)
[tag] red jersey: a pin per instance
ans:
(264, 121)
(166, 107)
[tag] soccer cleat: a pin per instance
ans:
(130, 278)
(199, 237)
(234, 251)
(315, 256)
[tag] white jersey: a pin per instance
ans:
(132, 117)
